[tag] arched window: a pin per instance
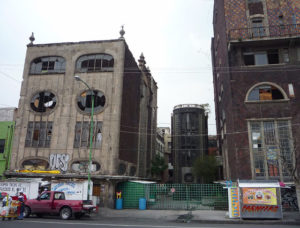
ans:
(95, 63)
(265, 92)
(50, 64)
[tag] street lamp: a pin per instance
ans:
(77, 78)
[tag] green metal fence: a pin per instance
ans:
(175, 196)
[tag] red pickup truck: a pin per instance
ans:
(53, 202)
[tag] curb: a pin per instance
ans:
(239, 221)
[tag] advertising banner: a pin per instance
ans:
(234, 204)
(259, 196)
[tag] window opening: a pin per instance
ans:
(95, 63)
(35, 164)
(38, 134)
(82, 134)
(271, 148)
(265, 92)
(2, 146)
(285, 55)
(258, 29)
(43, 101)
(84, 101)
(51, 64)
(255, 7)
(261, 58)
(45, 196)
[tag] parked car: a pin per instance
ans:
(54, 203)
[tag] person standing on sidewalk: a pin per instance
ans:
(22, 199)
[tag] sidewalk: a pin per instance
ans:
(202, 216)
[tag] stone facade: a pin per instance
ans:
(242, 34)
(56, 135)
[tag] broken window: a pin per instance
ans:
(84, 101)
(265, 92)
(83, 166)
(95, 63)
(82, 134)
(38, 134)
(35, 164)
(43, 101)
(271, 145)
(51, 64)
(2, 146)
(261, 57)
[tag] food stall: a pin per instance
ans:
(260, 199)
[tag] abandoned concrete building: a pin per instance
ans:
(256, 55)
(189, 140)
(54, 115)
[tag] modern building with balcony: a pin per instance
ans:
(256, 56)
(189, 140)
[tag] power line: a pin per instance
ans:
(8, 76)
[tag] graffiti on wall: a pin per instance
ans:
(289, 199)
(59, 162)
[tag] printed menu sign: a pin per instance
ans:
(265, 196)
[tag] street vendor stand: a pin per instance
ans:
(260, 199)
(10, 211)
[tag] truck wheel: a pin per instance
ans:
(65, 213)
(27, 211)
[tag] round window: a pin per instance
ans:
(84, 101)
(43, 101)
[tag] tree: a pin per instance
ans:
(158, 166)
(205, 168)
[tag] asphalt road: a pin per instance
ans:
(117, 223)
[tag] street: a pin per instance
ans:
(117, 223)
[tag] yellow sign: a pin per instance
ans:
(38, 171)
(234, 203)
(266, 196)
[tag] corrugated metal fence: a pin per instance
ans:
(174, 196)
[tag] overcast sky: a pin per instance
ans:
(174, 36)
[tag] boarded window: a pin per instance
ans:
(2, 146)
(38, 134)
(82, 134)
(265, 92)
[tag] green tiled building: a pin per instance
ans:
(6, 136)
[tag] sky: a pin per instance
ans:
(174, 36)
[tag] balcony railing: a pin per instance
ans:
(254, 33)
